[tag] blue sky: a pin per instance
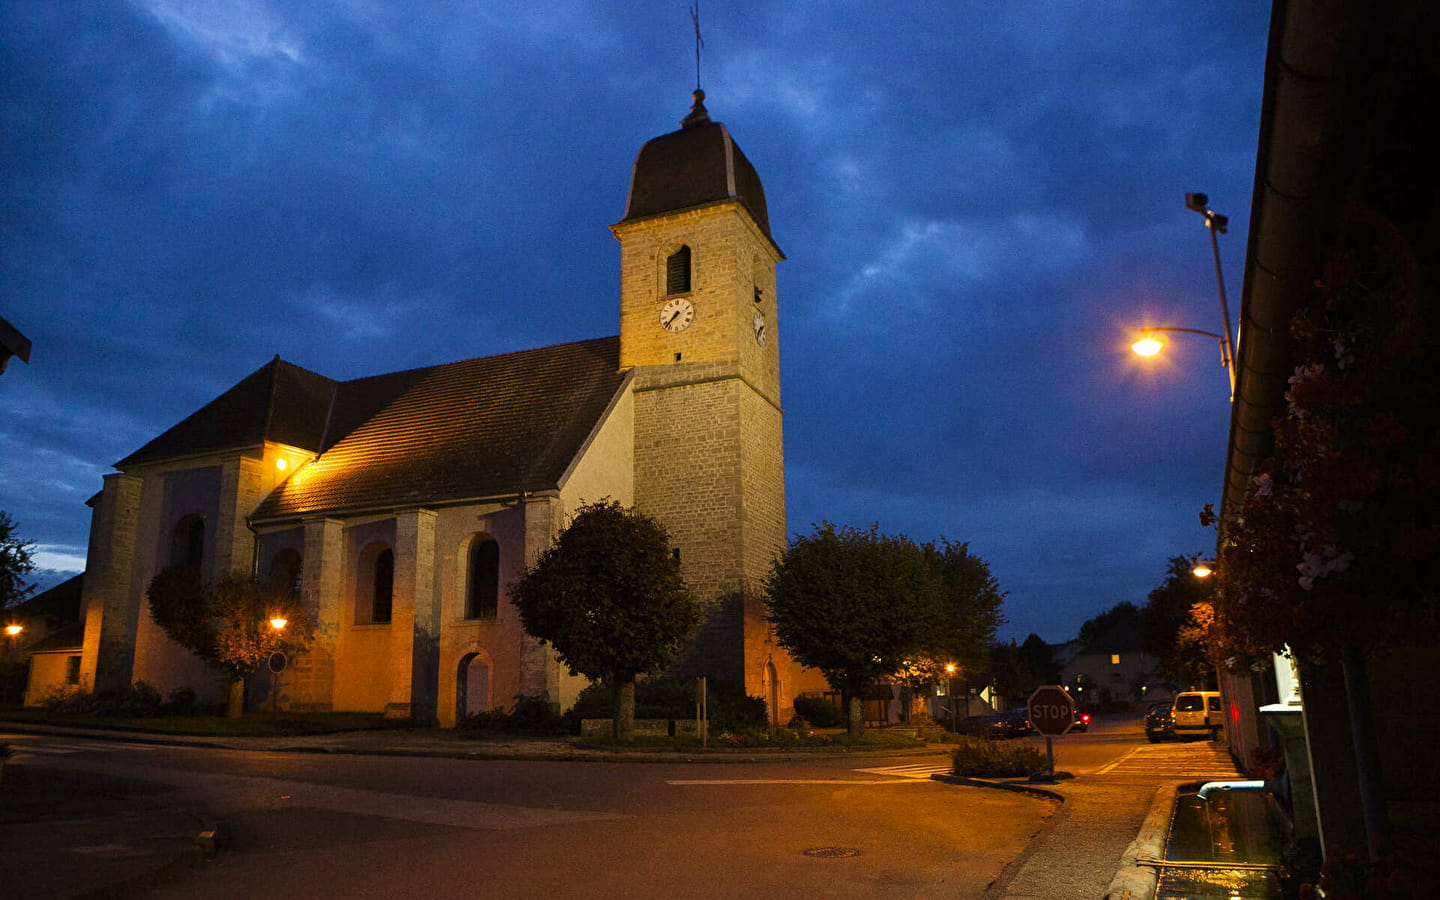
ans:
(979, 205)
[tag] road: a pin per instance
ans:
(326, 825)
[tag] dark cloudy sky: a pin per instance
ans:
(979, 202)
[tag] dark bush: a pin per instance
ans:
(819, 712)
(529, 715)
(976, 758)
(181, 702)
(674, 698)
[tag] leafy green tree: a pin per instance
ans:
(857, 605)
(1175, 623)
(1018, 669)
(608, 596)
(16, 562)
(227, 623)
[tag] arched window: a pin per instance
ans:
(374, 585)
(482, 579)
(286, 573)
(677, 271)
(384, 586)
(187, 543)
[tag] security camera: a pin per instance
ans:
(1197, 202)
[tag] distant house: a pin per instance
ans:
(50, 640)
(1113, 668)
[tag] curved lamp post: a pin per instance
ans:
(1149, 345)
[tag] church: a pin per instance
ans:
(403, 504)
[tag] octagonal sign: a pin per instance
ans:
(1051, 711)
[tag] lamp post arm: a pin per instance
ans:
(1227, 356)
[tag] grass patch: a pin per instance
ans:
(976, 758)
(252, 725)
(875, 737)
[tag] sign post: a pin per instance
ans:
(1051, 713)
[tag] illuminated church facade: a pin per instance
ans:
(402, 505)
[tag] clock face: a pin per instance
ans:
(677, 314)
(758, 323)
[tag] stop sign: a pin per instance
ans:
(1051, 710)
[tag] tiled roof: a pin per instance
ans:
(278, 402)
(479, 428)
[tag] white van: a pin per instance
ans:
(1198, 712)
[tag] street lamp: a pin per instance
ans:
(1203, 568)
(13, 631)
(277, 662)
(954, 704)
(1149, 345)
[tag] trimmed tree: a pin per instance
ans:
(854, 604)
(608, 597)
(227, 623)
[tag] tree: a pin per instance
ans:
(16, 562)
(960, 621)
(1019, 669)
(1173, 634)
(608, 597)
(865, 608)
(1124, 612)
(227, 623)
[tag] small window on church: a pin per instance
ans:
(677, 271)
(375, 585)
(72, 670)
(187, 542)
(482, 585)
(286, 573)
(759, 294)
(384, 586)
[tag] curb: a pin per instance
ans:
(1133, 881)
(1018, 787)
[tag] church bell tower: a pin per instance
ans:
(699, 327)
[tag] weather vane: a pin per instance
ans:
(699, 41)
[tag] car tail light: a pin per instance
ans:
(1085, 717)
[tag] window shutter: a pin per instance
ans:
(677, 272)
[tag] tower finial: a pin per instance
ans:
(699, 115)
(699, 41)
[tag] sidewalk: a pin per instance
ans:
(90, 843)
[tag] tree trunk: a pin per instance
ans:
(625, 709)
(237, 697)
(856, 719)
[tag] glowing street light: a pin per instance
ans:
(13, 630)
(279, 622)
(1204, 568)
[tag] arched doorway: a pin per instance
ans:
(472, 686)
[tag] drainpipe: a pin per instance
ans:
(1367, 754)
(1243, 787)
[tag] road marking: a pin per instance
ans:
(851, 781)
(912, 771)
(1178, 760)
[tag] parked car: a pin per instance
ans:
(1199, 712)
(1020, 721)
(1082, 721)
(993, 727)
(1159, 722)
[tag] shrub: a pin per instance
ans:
(674, 698)
(974, 758)
(528, 715)
(819, 712)
(180, 702)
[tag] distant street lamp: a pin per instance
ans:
(1203, 568)
(14, 630)
(954, 704)
(277, 664)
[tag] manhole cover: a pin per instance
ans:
(831, 852)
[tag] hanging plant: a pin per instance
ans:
(1338, 538)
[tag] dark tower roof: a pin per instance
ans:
(697, 165)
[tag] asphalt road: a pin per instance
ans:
(332, 825)
(314, 825)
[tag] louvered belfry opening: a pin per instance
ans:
(677, 272)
